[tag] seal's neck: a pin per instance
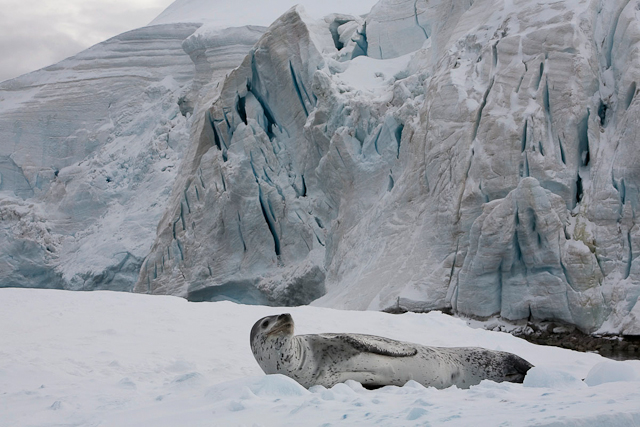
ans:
(292, 352)
(274, 354)
(282, 343)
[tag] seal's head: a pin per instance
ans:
(270, 341)
(272, 327)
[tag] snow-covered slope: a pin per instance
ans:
(119, 359)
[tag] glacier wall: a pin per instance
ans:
(89, 150)
(473, 155)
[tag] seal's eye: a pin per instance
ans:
(265, 324)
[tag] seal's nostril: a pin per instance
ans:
(282, 317)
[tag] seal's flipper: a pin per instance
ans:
(376, 345)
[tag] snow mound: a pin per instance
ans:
(542, 377)
(269, 386)
(610, 371)
(368, 74)
(278, 385)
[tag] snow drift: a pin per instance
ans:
(73, 358)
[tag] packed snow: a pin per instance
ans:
(373, 75)
(120, 359)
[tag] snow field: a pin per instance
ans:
(118, 359)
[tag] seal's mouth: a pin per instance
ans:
(286, 329)
(284, 325)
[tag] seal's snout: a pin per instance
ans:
(282, 324)
(285, 322)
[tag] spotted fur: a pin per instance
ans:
(329, 359)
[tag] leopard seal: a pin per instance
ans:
(329, 359)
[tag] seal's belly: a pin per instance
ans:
(429, 367)
(373, 370)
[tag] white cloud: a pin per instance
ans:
(38, 33)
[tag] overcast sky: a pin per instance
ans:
(37, 33)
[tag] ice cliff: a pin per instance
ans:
(89, 151)
(477, 155)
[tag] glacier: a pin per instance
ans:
(477, 156)
(90, 149)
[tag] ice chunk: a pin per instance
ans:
(248, 388)
(397, 27)
(277, 386)
(611, 371)
(543, 377)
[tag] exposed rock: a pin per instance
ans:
(549, 333)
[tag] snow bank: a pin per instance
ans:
(119, 359)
